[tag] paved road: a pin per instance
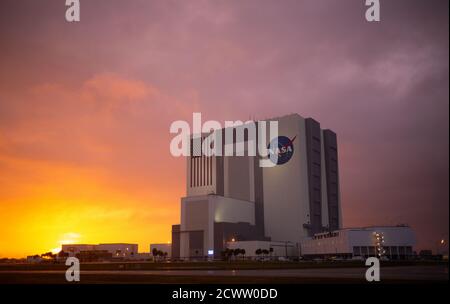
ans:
(403, 273)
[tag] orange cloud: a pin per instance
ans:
(87, 160)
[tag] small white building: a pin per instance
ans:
(394, 242)
(118, 250)
(73, 249)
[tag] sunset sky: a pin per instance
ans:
(85, 108)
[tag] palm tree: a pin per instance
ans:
(237, 252)
(258, 252)
(224, 254)
(48, 255)
(63, 254)
(155, 254)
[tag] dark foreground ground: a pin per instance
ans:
(223, 273)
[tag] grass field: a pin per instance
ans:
(213, 265)
(236, 272)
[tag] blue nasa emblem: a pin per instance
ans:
(281, 152)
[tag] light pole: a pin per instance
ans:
(440, 247)
(379, 240)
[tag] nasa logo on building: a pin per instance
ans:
(281, 149)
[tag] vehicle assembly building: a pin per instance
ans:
(233, 202)
(232, 197)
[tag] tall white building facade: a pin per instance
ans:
(234, 198)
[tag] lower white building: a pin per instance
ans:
(124, 250)
(118, 250)
(393, 242)
(74, 249)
